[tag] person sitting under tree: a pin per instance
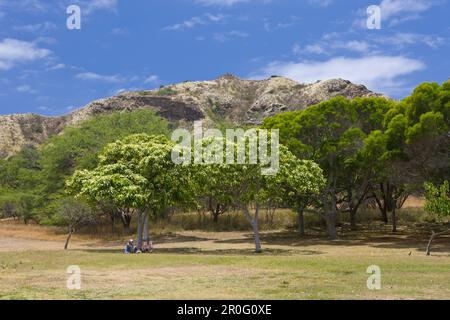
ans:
(130, 247)
(148, 246)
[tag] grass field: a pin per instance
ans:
(222, 265)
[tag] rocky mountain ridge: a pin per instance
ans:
(227, 99)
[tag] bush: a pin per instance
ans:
(166, 92)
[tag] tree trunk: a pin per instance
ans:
(113, 222)
(301, 223)
(254, 223)
(331, 227)
(384, 214)
(140, 229)
(215, 216)
(71, 231)
(126, 220)
(146, 229)
(382, 203)
(353, 219)
(256, 235)
(330, 216)
(433, 236)
(394, 220)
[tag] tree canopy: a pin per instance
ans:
(372, 147)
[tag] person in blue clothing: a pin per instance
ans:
(130, 248)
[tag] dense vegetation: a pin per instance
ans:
(32, 183)
(139, 172)
(372, 149)
(335, 157)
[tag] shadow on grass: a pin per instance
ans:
(413, 238)
(219, 252)
(401, 240)
(166, 238)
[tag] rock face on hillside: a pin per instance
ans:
(227, 99)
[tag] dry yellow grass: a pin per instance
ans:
(205, 265)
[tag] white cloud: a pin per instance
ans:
(269, 26)
(26, 89)
(35, 28)
(226, 3)
(118, 79)
(379, 73)
(403, 39)
(202, 20)
(154, 79)
(226, 36)
(297, 49)
(315, 48)
(91, 76)
(392, 8)
(332, 42)
(321, 3)
(394, 12)
(24, 5)
(353, 45)
(119, 31)
(91, 6)
(13, 52)
(58, 66)
(230, 3)
(44, 108)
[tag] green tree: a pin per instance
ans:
(74, 214)
(418, 144)
(135, 172)
(437, 204)
(78, 147)
(213, 183)
(438, 199)
(418, 134)
(297, 184)
(254, 187)
(335, 134)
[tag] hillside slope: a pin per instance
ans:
(227, 99)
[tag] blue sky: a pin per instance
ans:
(141, 44)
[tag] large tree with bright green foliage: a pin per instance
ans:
(418, 134)
(213, 183)
(249, 186)
(336, 134)
(136, 172)
(372, 147)
(297, 184)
